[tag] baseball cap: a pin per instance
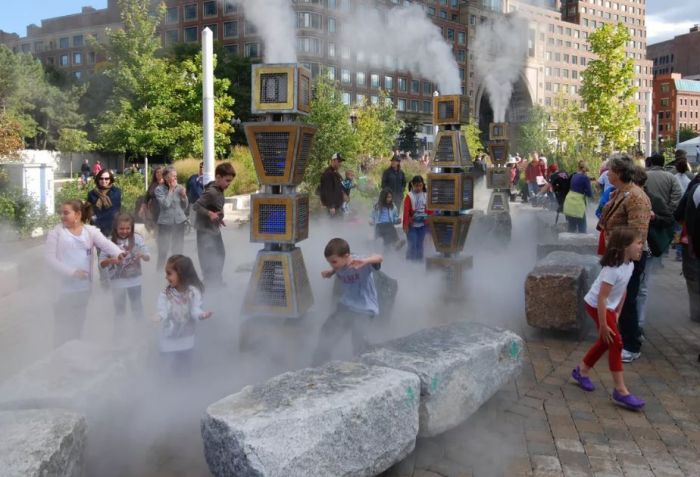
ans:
(337, 156)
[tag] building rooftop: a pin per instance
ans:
(688, 86)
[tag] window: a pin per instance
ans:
(78, 74)
(63, 42)
(664, 102)
(403, 85)
(78, 41)
(427, 106)
(309, 45)
(415, 86)
(91, 58)
(360, 78)
(230, 7)
(450, 34)
(346, 98)
(665, 87)
(374, 80)
(331, 50)
(64, 60)
(231, 49)
(461, 38)
(374, 99)
(461, 56)
(210, 9)
(190, 34)
(38, 46)
(388, 83)
(77, 58)
(171, 36)
(250, 29)
(401, 105)
(230, 29)
(345, 76)
(172, 15)
(214, 31)
(190, 12)
(414, 106)
(331, 25)
(427, 88)
(252, 50)
(360, 98)
(309, 20)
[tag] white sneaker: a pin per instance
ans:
(628, 356)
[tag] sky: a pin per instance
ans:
(665, 18)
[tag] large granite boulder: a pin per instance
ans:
(460, 365)
(584, 244)
(77, 375)
(345, 419)
(589, 263)
(554, 297)
(41, 443)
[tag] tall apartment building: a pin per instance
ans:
(678, 55)
(676, 105)
(557, 46)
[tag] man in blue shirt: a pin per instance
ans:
(195, 186)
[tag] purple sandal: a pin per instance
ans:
(630, 401)
(584, 382)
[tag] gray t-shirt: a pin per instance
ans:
(358, 291)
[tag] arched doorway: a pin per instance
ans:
(517, 113)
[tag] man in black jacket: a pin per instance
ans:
(395, 180)
(209, 210)
(331, 187)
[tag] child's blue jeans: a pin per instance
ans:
(416, 237)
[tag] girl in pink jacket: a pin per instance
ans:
(70, 248)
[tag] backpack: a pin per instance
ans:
(561, 183)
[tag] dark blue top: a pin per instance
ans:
(581, 183)
(105, 217)
(195, 188)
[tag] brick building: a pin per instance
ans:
(678, 55)
(676, 105)
(557, 52)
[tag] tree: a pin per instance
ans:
(10, 136)
(472, 134)
(565, 130)
(73, 140)
(608, 90)
(334, 133)
(407, 139)
(376, 127)
(155, 105)
(687, 133)
(533, 133)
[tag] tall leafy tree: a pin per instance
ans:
(155, 106)
(566, 132)
(472, 134)
(533, 133)
(334, 133)
(608, 90)
(687, 133)
(10, 136)
(376, 127)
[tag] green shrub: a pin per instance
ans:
(21, 212)
(246, 180)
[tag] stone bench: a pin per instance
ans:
(460, 366)
(584, 244)
(42, 443)
(77, 375)
(339, 419)
(555, 288)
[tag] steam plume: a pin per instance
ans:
(274, 20)
(500, 51)
(408, 37)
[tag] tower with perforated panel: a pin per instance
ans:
(498, 180)
(280, 145)
(450, 194)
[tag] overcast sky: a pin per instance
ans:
(668, 18)
(665, 18)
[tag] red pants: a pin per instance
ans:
(600, 346)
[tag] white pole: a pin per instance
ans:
(145, 172)
(648, 124)
(208, 103)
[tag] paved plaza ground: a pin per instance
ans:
(539, 425)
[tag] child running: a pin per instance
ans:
(69, 251)
(125, 275)
(358, 304)
(603, 303)
(179, 308)
(414, 215)
(384, 217)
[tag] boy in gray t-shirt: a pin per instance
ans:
(358, 303)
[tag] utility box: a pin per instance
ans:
(35, 180)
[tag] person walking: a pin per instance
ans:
(576, 199)
(106, 200)
(629, 206)
(172, 202)
(394, 179)
(85, 172)
(195, 185)
(96, 168)
(331, 187)
(209, 218)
